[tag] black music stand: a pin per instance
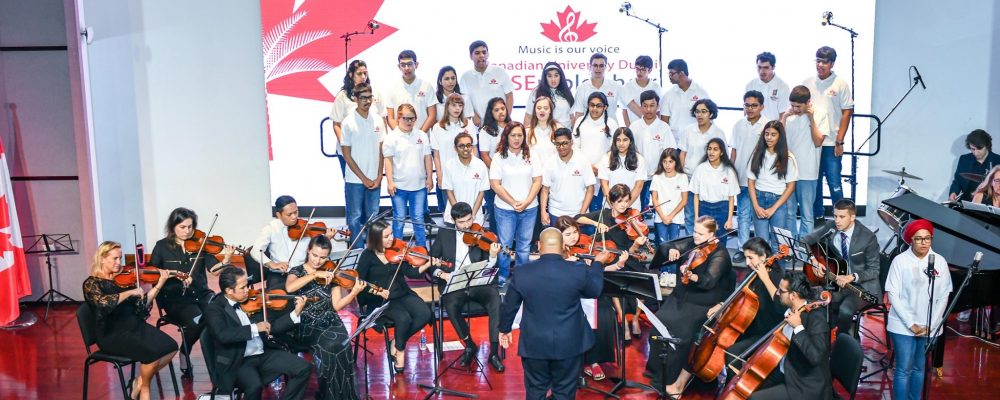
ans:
(642, 286)
(50, 244)
(362, 327)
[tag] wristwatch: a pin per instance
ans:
(840, 143)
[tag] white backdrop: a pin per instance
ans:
(719, 42)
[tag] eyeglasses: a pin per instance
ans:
(365, 98)
(408, 119)
(407, 64)
(598, 66)
(562, 144)
(750, 106)
(595, 105)
(464, 146)
(922, 239)
(701, 111)
(641, 69)
(783, 291)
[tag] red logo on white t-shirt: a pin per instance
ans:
(420, 94)
(725, 180)
(694, 98)
(493, 81)
(378, 129)
(611, 94)
(465, 131)
(420, 141)
(831, 92)
(527, 162)
(657, 137)
(475, 175)
(677, 188)
(576, 172)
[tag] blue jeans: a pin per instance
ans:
(718, 210)
(442, 199)
(829, 166)
(908, 377)
(667, 232)
(762, 226)
(689, 214)
(412, 203)
(515, 228)
(801, 201)
(597, 202)
(644, 197)
(362, 204)
(744, 216)
(489, 199)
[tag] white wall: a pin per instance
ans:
(955, 49)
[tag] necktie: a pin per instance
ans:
(843, 244)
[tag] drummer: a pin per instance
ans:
(978, 161)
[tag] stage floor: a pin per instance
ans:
(45, 361)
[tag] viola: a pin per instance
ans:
(767, 354)
(148, 275)
(696, 258)
(276, 299)
(311, 230)
(214, 244)
(728, 324)
(583, 247)
(413, 255)
(479, 237)
(345, 278)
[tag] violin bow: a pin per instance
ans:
(399, 265)
(200, 250)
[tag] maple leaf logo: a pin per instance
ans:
(570, 27)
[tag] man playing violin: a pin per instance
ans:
(242, 357)
(450, 247)
(185, 301)
(274, 246)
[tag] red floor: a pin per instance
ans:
(45, 361)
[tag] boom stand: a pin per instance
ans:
(660, 30)
(642, 286)
(48, 245)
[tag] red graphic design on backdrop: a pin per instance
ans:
(570, 27)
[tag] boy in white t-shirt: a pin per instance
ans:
(635, 87)
(746, 133)
(774, 89)
(485, 82)
(832, 98)
(805, 130)
(652, 136)
(598, 82)
(413, 91)
(363, 132)
(677, 99)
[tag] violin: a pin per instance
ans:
(696, 258)
(148, 275)
(731, 321)
(214, 244)
(583, 247)
(631, 222)
(479, 237)
(414, 255)
(345, 278)
(301, 230)
(277, 299)
(767, 354)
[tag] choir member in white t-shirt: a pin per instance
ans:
(494, 123)
(452, 123)
(516, 178)
(413, 91)
(592, 136)
(541, 126)
(556, 87)
(692, 145)
(465, 179)
(447, 83)
(363, 133)
(485, 82)
(746, 134)
(774, 89)
(805, 130)
(408, 169)
(623, 164)
(680, 97)
(669, 192)
(564, 178)
(832, 98)
(343, 102)
(632, 111)
(598, 82)
(771, 181)
(652, 136)
(714, 187)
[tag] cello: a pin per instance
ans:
(731, 321)
(767, 354)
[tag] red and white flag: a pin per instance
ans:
(14, 283)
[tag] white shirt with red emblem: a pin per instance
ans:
(443, 140)
(775, 95)
(363, 136)
(676, 104)
(610, 88)
(419, 94)
(567, 183)
(714, 184)
(651, 140)
(481, 87)
(631, 92)
(515, 174)
(830, 97)
(669, 189)
(466, 181)
(693, 142)
(406, 152)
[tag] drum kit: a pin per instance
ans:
(892, 216)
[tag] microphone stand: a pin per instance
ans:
(347, 42)
(660, 30)
(931, 343)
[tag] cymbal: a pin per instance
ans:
(902, 174)
(972, 177)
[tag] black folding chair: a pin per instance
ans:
(208, 351)
(845, 362)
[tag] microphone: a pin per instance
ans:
(625, 8)
(930, 271)
(661, 339)
(975, 262)
(372, 25)
(811, 239)
(919, 78)
(826, 18)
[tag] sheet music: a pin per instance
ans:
(471, 275)
(660, 328)
(785, 237)
(350, 260)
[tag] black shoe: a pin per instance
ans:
(467, 356)
(496, 363)
(739, 258)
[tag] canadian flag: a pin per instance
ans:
(14, 282)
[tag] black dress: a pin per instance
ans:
(770, 313)
(323, 331)
(184, 306)
(408, 312)
(120, 330)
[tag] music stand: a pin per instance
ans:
(640, 285)
(363, 326)
(50, 244)
(799, 250)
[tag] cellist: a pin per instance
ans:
(686, 309)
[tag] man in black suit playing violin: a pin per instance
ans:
(855, 243)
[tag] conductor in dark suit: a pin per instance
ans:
(854, 242)
(242, 358)
(804, 373)
(554, 330)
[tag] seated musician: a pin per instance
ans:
(122, 329)
(978, 161)
(274, 247)
(185, 301)
(804, 373)
(242, 357)
(407, 311)
(450, 247)
(321, 328)
(855, 243)
(686, 309)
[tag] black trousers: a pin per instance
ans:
(488, 296)
(559, 375)
(258, 370)
(409, 314)
(778, 392)
(842, 308)
(185, 314)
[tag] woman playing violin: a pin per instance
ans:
(321, 328)
(407, 311)
(686, 309)
(184, 301)
(120, 328)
